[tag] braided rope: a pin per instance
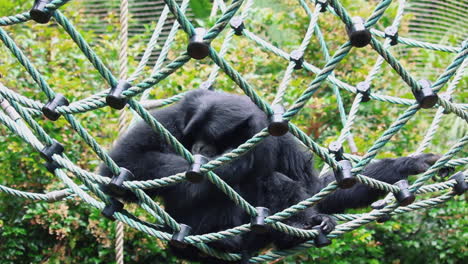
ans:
(18, 112)
(123, 70)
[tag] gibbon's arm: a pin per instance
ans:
(386, 170)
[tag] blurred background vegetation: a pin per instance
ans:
(73, 232)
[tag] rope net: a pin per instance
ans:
(20, 114)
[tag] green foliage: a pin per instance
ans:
(201, 9)
(437, 235)
(8, 7)
(72, 232)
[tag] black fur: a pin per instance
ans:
(276, 174)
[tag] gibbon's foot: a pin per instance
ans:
(326, 222)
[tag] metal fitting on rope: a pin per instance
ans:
(323, 5)
(110, 209)
(337, 149)
(48, 151)
(237, 24)
(426, 97)
(379, 205)
(115, 99)
(257, 223)
(364, 89)
(447, 97)
(39, 12)
(404, 196)
(391, 32)
(49, 109)
(321, 239)
(358, 34)
(194, 174)
(52, 166)
(177, 239)
(297, 57)
(461, 186)
(197, 47)
(116, 184)
(278, 125)
(343, 176)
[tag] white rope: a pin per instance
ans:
(152, 44)
(225, 46)
(440, 111)
(346, 130)
(123, 70)
(289, 70)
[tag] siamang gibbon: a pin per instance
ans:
(276, 174)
